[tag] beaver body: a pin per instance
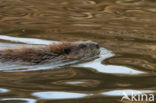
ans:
(66, 51)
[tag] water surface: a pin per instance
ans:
(125, 30)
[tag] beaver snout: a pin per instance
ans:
(89, 47)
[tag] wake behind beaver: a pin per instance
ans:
(62, 52)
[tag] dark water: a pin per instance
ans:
(126, 27)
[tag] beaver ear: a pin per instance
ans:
(67, 50)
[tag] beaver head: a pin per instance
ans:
(81, 50)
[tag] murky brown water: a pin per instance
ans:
(126, 27)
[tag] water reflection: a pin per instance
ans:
(19, 100)
(59, 95)
(75, 82)
(130, 2)
(78, 83)
(127, 92)
(26, 40)
(2, 90)
(126, 27)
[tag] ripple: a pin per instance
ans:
(79, 83)
(85, 15)
(25, 100)
(59, 95)
(75, 82)
(123, 26)
(97, 65)
(128, 92)
(2, 90)
(130, 2)
(26, 40)
(14, 67)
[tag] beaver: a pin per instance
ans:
(60, 52)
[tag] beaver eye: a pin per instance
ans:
(97, 46)
(67, 51)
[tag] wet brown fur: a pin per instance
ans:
(34, 55)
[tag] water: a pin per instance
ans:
(125, 30)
